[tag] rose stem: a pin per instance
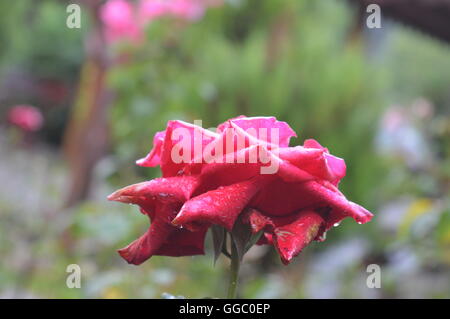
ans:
(234, 272)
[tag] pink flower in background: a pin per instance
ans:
(187, 9)
(124, 21)
(152, 9)
(26, 117)
(118, 16)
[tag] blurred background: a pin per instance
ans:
(78, 106)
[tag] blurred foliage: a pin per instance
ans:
(293, 59)
(36, 38)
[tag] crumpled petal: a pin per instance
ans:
(312, 143)
(335, 166)
(161, 199)
(253, 126)
(289, 234)
(289, 198)
(315, 160)
(328, 195)
(290, 239)
(154, 156)
(256, 220)
(292, 197)
(187, 137)
(226, 173)
(163, 239)
(220, 206)
(177, 189)
(148, 244)
(230, 146)
(183, 242)
(229, 168)
(181, 140)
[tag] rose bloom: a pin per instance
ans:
(26, 117)
(291, 206)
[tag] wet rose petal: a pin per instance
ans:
(162, 239)
(154, 157)
(220, 206)
(290, 239)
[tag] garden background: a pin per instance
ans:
(379, 98)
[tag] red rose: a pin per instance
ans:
(245, 170)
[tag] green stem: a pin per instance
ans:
(234, 272)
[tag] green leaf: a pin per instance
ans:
(241, 235)
(218, 237)
(253, 239)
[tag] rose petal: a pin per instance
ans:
(336, 167)
(169, 146)
(290, 239)
(279, 198)
(246, 163)
(187, 138)
(253, 126)
(316, 162)
(145, 246)
(327, 194)
(179, 188)
(312, 143)
(163, 239)
(183, 242)
(154, 156)
(220, 206)
(256, 220)
(148, 244)
(229, 169)
(176, 189)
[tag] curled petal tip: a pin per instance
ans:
(286, 260)
(125, 254)
(133, 254)
(129, 193)
(179, 220)
(114, 196)
(363, 215)
(365, 219)
(183, 220)
(175, 222)
(120, 196)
